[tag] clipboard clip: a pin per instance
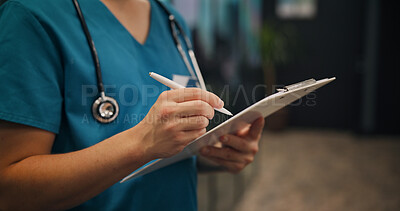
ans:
(297, 85)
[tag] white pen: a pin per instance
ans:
(174, 85)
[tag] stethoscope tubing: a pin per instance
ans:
(176, 29)
(93, 50)
(175, 33)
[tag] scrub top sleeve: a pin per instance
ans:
(31, 73)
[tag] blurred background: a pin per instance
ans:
(337, 148)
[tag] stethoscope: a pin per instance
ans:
(105, 109)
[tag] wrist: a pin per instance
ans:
(139, 143)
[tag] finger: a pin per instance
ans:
(193, 134)
(185, 137)
(244, 130)
(195, 108)
(240, 144)
(256, 129)
(191, 123)
(188, 94)
(224, 153)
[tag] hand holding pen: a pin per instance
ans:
(176, 119)
(174, 85)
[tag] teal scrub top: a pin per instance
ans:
(48, 81)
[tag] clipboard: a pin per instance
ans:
(262, 108)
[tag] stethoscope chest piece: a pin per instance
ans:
(105, 109)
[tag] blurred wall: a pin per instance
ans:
(330, 44)
(354, 41)
(387, 109)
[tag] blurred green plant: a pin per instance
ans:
(278, 44)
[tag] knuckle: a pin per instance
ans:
(202, 131)
(203, 108)
(167, 111)
(206, 110)
(215, 99)
(197, 103)
(249, 160)
(203, 121)
(254, 150)
(164, 94)
(197, 93)
(211, 113)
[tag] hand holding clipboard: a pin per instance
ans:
(264, 108)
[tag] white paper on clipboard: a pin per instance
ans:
(264, 108)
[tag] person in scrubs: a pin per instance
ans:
(55, 156)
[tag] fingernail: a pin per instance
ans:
(205, 151)
(221, 103)
(223, 139)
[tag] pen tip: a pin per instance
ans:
(150, 73)
(225, 111)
